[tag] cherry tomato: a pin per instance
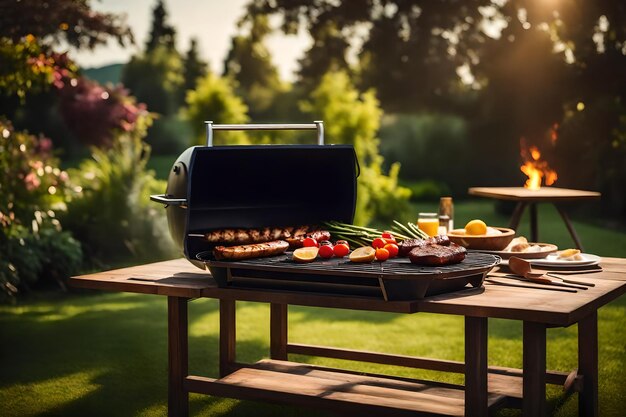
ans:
(388, 235)
(382, 254)
(325, 243)
(341, 249)
(378, 243)
(326, 251)
(310, 242)
(390, 240)
(342, 242)
(392, 248)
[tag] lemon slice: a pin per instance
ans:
(303, 255)
(476, 227)
(364, 254)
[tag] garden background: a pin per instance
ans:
(435, 96)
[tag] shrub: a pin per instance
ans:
(353, 118)
(33, 191)
(113, 218)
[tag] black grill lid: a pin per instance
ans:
(268, 186)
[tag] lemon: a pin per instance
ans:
(476, 227)
(364, 254)
(303, 255)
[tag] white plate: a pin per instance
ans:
(552, 260)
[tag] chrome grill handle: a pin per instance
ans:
(317, 125)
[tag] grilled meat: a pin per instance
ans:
(297, 241)
(246, 236)
(437, 255)
(257, 250)
(407, 245)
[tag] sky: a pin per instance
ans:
(213, 22)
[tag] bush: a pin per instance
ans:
(33, 191)
(353, 118)
(430, 147)
(113, 218)
(426, 190)
(169, 135)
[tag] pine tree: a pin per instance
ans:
(161, 33)
(193, 67)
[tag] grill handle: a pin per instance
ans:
(316, 125)
(168, 201)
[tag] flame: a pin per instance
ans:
(535, 168)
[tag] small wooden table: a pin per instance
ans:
(531, 198)
(278, 380)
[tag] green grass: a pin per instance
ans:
(106, 354)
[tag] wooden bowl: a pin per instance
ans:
(482, 242)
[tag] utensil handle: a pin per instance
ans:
(316, 125)
(508, 284)
(572, 281)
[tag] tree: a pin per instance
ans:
(249, 64)
(155, 78)
(161, 32)
(214, 99)
(193, 67)
(354, 118)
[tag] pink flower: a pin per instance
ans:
(31, 181)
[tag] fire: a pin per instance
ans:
(535, 168)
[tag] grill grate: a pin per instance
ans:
(392, 268)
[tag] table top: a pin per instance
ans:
(546, 194)
(179, 278)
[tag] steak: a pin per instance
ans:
(407, 245)
(437, 255)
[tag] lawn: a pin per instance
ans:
(105, 354)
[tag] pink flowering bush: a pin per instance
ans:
(33, 191)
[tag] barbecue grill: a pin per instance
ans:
(218, 187)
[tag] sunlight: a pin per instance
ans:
(49, 395)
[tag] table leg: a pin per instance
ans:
(534, 373)
(178, 398)
(476, 366)
(588, 365)
(570, 227)
(534, 227)
(278, 331)
(228, 339)
(517, 215)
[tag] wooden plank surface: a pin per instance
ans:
(544, 194)
(311, 386)
(180, 278)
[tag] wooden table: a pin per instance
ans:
(278, 380)
(531, 198)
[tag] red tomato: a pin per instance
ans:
(310, 242)
(341, 249)
(392, 248)
(382, 254)
(326, 251)
(342, 242)
(388, 235)
(390, 240)
(378, 243)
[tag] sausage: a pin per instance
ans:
(257, 250)
(437, 255)
(298, 240)
(246, 236)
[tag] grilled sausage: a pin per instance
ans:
(257, 250)
(437, 255)
(245, 236)
(298, 240)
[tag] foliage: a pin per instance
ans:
(155, 78)
(113, 218)
(214, 99)
(33, 191)
(250, 65)
(431, 147)
(94, 112)
(169, 135)
(63, 21)
(193, 66)
(354, 118)
(161, 32)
